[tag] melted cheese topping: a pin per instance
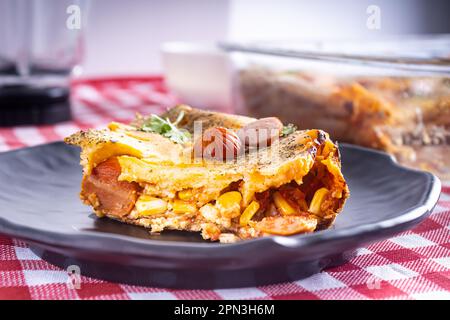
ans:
(164, 167)
(165, 171)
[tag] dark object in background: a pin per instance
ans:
(41, 47)
(23, 104)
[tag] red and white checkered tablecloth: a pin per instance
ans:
(411, 265)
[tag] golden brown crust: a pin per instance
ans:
(122, 165)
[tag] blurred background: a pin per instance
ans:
(118, 38)
(373, 70)
(124, 40)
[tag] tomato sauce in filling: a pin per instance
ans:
(106, 193)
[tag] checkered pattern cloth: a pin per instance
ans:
(411, 265)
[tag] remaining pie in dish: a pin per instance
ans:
(155, 173)
(407, 116)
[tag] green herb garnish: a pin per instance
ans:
(287, 130)
(166, 128)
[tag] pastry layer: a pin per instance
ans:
(293, 186)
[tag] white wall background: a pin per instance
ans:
(124, 37)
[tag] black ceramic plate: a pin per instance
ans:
(39, 203)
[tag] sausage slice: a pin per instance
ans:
(106, 193)
(261, 132)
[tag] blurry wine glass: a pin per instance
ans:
(41, 45)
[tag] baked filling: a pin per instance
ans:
(293, 186)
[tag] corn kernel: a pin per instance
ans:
(180, 206)
(317, 200)
(248, 213)
(113, 126)
(229, 204)
(147, 205)
(185, 194)
(282, 205)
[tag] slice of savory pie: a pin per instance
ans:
(148, 174)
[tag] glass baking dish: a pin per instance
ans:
(392, 95)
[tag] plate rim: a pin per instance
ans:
(85, 239)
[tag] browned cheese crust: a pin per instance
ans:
(294, 186)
